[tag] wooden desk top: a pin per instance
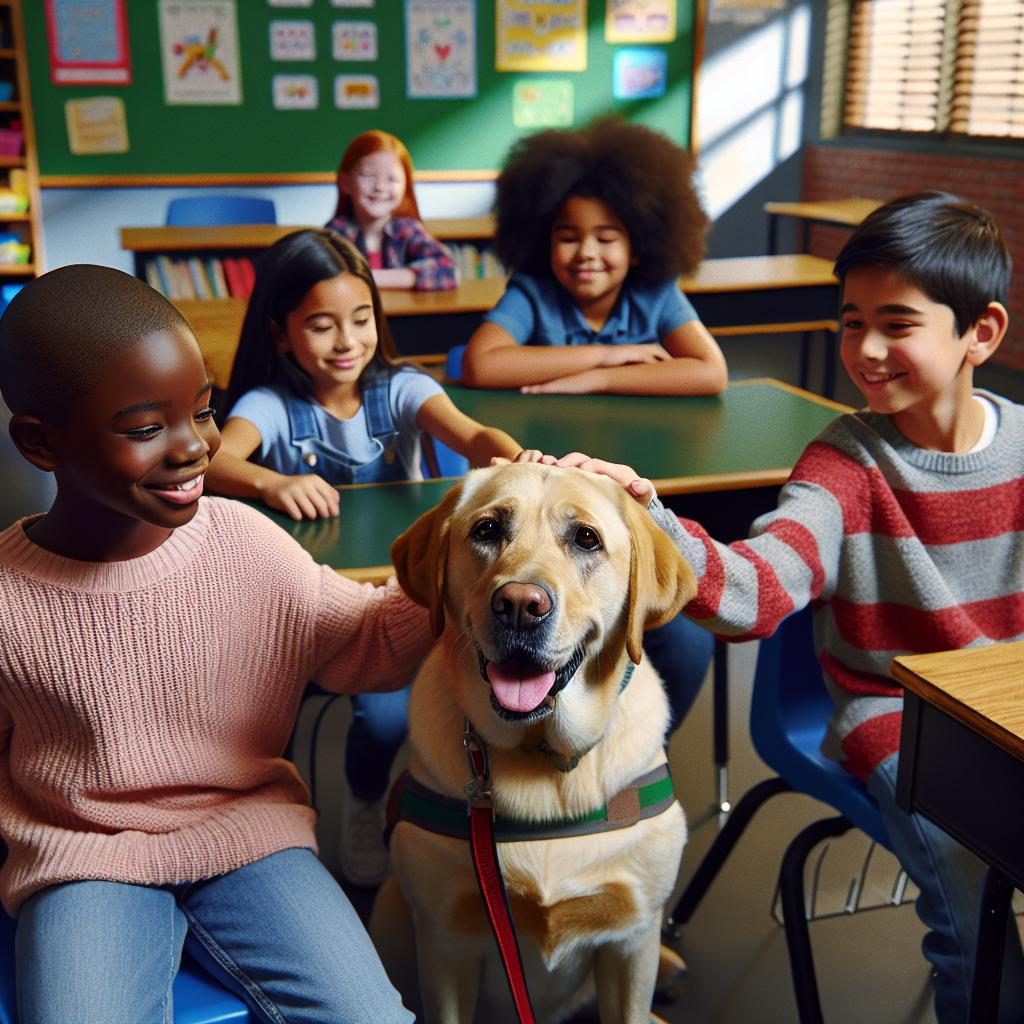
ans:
(759, 273)
(983, 687)
(477, 295)
(259, 236)
(848, 212)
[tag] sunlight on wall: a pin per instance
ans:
(750, 108)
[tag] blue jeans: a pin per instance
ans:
(380, 722)
(950, 879)
(280, 932)
(681, 652)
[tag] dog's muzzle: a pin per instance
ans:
(523, 691)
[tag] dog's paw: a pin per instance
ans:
(671, 971)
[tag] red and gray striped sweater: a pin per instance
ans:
(901, 550)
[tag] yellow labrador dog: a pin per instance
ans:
(540, 583)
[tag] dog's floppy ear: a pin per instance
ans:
(419, 556)
(661, 581)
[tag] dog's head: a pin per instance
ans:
(535, 571)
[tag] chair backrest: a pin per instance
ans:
(789, 712)
(453, 362)
(208, 211)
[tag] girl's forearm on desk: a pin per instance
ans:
(513, 366)
(679, 376)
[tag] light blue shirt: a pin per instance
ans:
(266, 410)
(539, 311)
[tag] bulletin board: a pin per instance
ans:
(249, 140)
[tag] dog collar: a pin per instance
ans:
(645, 797)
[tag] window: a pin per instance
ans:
(936, 67)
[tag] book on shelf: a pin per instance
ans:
(200, 284)
(219, 284)
(197, 278)
(472, 261)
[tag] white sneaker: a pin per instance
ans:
(362, 856)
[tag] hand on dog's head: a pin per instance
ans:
(660, 581)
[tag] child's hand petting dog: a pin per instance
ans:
(640, 488)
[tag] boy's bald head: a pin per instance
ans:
(60, 331)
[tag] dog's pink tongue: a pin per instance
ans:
(516, 692)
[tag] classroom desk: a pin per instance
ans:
(711, 458)
(689, 447)
(742, 295)
(841, 212)
(962, 766)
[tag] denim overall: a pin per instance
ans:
(336, 467)
(379, 720)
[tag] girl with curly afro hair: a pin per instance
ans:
(596, 226)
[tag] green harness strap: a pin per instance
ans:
(646, 797)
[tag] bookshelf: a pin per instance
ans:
(21, 235)
(187, 263)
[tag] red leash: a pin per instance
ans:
(488, 873)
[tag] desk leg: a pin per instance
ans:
(773, 234)
(988, 960)
(831, 344)
(720, 713)
(805, 359)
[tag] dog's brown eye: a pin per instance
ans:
(487, 531)
(586, 538)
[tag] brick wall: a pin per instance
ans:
(997, 185)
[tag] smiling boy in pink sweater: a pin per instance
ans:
(154, 645)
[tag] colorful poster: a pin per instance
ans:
(356, 92)
(96, 125)
(292, 40)
(88, 42)
(199, 50)
(640, 21)
(354, 40)
(295, 92)
(541, 35)
(639, 74)
(542, 104)
(440, 38)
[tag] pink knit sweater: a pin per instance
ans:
(145, 704)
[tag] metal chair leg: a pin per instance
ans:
(794, 910)
(722, 846)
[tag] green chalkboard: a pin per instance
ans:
(253, 139)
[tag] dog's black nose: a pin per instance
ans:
(521, 605)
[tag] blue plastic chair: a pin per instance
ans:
(208, 211)
(198, 997)
(789, 711)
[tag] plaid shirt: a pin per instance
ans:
(407, 244)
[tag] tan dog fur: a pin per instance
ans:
(588, 909)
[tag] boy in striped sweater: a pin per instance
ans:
(903, 525)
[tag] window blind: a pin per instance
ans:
(932, 66)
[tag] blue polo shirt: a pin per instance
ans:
(539, 311)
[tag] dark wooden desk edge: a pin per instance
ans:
(939, 698)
